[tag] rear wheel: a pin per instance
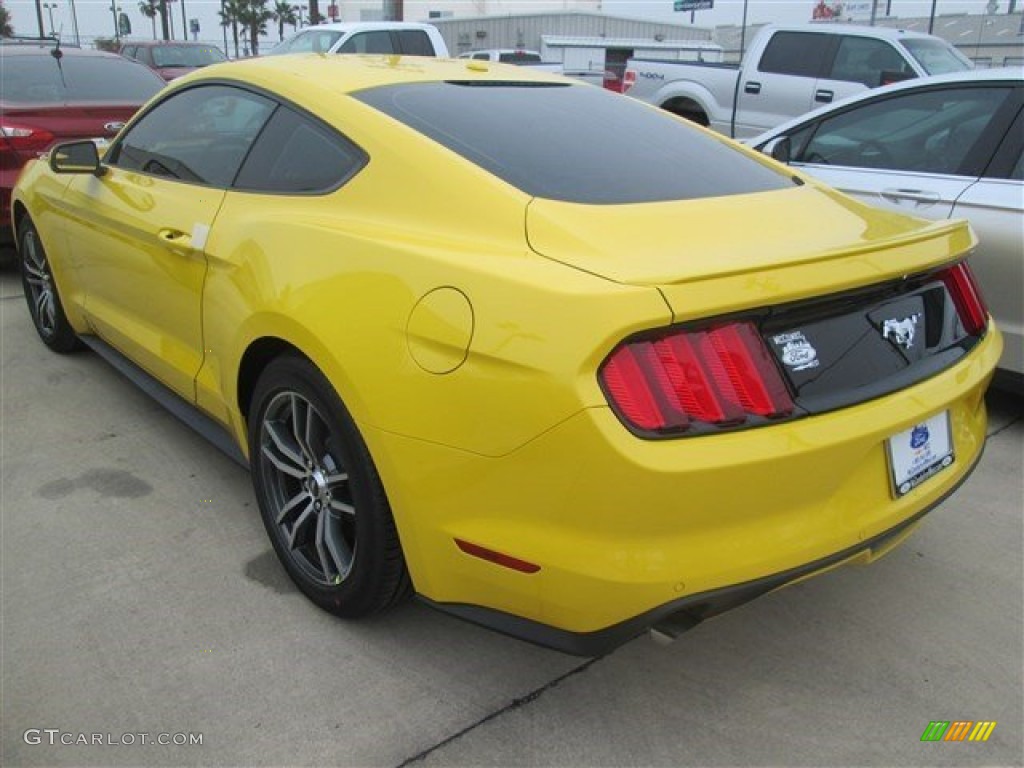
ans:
(41, 292)
(321, 499)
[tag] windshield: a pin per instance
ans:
(78, 79)
(574, 143)
(186, 55)
(937, 57)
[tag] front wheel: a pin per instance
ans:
(41, 293)
(320, 497)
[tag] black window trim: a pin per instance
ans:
(278, 101)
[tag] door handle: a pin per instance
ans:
(175, 240)
(919, 196)
(825, 97)
(751, 87)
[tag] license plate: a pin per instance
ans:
(920, 453)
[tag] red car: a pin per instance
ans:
(50, 95)
(171, 60)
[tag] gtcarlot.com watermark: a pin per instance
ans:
(56, 737)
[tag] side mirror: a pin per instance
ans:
(76, 157)
(779, 148)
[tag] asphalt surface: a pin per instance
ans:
(140, 596)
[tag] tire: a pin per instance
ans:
(319, 494)
(44, 303)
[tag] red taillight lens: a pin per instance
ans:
(718, 377)
(628, 80)
(23, 138)
(967, 297)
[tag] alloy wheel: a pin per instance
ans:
(39, 282)
(308, 488)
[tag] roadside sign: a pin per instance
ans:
(693, 5)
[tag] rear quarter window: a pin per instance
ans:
(795, 53)
(574, 143)
(415, 42)
(297, 155)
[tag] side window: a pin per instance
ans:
(1018, 169)
(199, 136)
(867, 61)
(795, 53)
(368, 42)
(930, 132)
(129, 51)
(415, 42)
(296, 154)
(482, 56)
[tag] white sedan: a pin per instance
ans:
(938, 147)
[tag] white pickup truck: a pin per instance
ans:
(404, 37)
(787, 71)
(518, 56)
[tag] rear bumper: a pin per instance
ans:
(686, 612)
(628, 532)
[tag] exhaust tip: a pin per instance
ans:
(668, 629)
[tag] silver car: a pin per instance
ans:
(938, 147)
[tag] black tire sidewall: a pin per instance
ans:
(361, 592)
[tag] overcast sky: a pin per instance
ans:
(95, 18)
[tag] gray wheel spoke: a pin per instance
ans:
(326, 564)
(289, 460)
(299, 522)
(337, 479)
(33, 273)
(291, 505)
(341, 506)
(302, 415)
(341, 553)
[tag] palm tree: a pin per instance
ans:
(229, 17)
(6, 28)
(254, 14)
(314, 12)
(150, 9)
(284, 14)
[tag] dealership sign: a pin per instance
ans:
(693, 5)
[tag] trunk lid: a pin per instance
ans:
(718, 255)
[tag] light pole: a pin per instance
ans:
(74, 23)
(931, 18)
(49, 10)
(114, 10)
(184, 22)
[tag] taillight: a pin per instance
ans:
(967, 297)
(717, 377)
(628, 80)
(22, 138)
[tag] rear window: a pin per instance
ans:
(937, 57)
(519, 57)
(186, 55)
(574, 143)
(78, 79)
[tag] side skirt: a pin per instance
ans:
(179, 407)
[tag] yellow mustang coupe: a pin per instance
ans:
(556, 361)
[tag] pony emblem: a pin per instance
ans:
(901, 332)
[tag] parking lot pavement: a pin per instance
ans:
(140, 595)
